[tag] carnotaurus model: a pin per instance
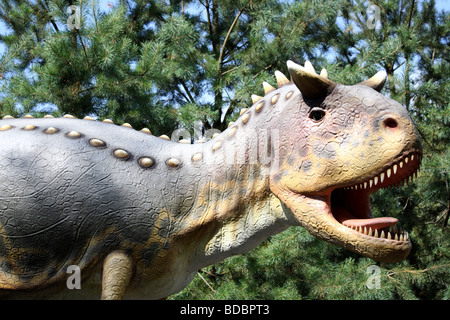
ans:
(139, 215)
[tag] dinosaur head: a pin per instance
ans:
(337, 145)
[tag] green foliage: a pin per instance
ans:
(166, 65)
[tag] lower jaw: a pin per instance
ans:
(314, 213)
(383, 243)
(377, 244)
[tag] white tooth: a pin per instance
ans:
(412, 157)
(359, 229)
(388, 173)
(389, 236)
(370, 231)
(382, 234)
(406, 160)
(376, 233)
(395, 168)
(356, 187)
(402, 238)
(365, 230)
(365, 185)
(370, 183)
(382, 177)
(396, 237)
(406, 235)
(375, 180)
(401, 164)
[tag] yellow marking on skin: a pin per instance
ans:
(353, 160)
(51, 130)
(29, 127)
(232, 132)
(5, 127)
(289, 94)
(197, 157)
(219, 201)
(146, 162)
(121, 154)
(146, 130)
(11, 279)
(173, 162)
(74, 134)
(259, 106)
(217, 145)
(275, 98)
(246, 117)
(97, 143)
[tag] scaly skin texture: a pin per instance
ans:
(139, 215)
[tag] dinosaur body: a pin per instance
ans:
(139, 215)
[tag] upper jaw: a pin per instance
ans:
(350, 206)
(343, 216)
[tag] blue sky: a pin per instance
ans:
(443, 4)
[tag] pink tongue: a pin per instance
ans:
(374, 223)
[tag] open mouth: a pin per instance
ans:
(350, 205)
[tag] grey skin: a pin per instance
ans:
(139, 215)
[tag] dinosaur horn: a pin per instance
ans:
(256, 98)
(310, 84)
(377, 81)
(281, 79)
(267, 88)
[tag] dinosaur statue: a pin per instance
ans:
(139, 215)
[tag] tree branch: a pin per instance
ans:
(226, 38)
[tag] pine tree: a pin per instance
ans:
(149, 63)
(170, 64)
(410, 42)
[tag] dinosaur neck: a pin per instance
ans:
(234, 209)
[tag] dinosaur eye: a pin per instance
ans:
(317, 114)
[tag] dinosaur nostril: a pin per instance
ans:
(390, 124)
